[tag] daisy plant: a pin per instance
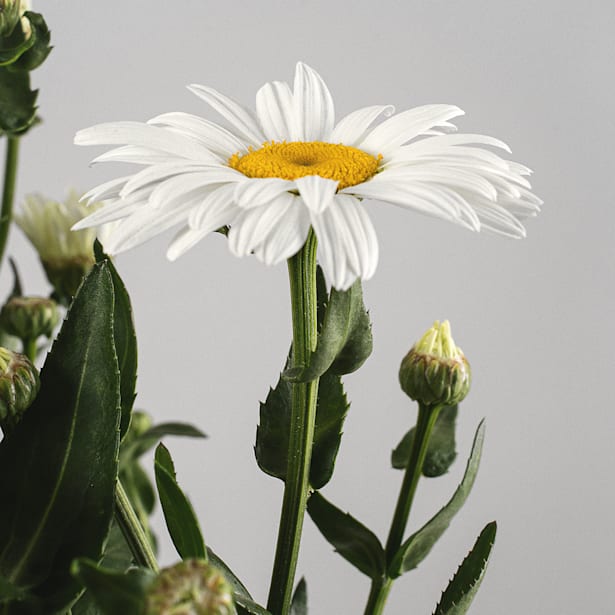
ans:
(285, 182)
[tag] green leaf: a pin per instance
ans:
(57, 500)
(249, 607)
(17, 290)
(114, 592)
(344, 341)
(15, 45)
(457, 597)
(298, 605)
(273, 431)
(125, 341)
(148, 439)
(179, 515)
(350, 538)
(441, 451)
(417, 547)
(331, 410)
(38, 51)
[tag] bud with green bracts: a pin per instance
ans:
(19, 384)
(192, 587)
(435, 371)
(29, 317)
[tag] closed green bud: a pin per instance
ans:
(19, 384)
(435, 371)
(192, 587)
(29, 317)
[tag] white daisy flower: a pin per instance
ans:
(273, 174)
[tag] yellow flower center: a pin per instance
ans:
(342, 163)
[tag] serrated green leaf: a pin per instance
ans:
(273, 431)
(125, 340)
(150, 438)
(179, 515)
(114, 592)
(331, 410)
(417, 547)
(58, 497)
(441, 451)
(298, 605)
(457, 597)
(350, 538)
(345, 338)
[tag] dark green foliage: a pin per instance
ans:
(418, 546)
(441, 451)
(457, 597)
(298, 605)
(57, 499)
(179, 515)
(350, 538)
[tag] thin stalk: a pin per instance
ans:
(133, 530)
(302, 275)
(29, 349)
(8, 192)
(426, 419)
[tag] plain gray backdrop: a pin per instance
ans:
(534, 317)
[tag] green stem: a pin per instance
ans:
(29, 348)
(427, 417)
(378, 595)
(133, 530)
(302, 275)
(8, 193)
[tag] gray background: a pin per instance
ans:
(534, 316)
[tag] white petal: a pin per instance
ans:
(407, 125)
(104, 191)
(287, 237)
(216, 210)
(242, 119)
(184, 240)
(175, 188)
(276, 113)
(255, 192)
(158, 173)
(109, 213)
(133, 154)
(317, 192)
(498, 220)
(314, 109)
(214, 137)
(351, 129)
(137, 133)
(253, 226)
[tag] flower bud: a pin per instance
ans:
(29, 317)
(19, 385)
(11, 12)
(192, 587)
(66, 255)
(435, 371)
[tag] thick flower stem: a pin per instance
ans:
(8, 192)
(29, 348)
(427, 417)
(302, 274)
(133, 530)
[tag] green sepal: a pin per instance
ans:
(457, 597)
(179, 515)
(298, 604)
(17, 290)
(40, 48)
(150, 438)
(13, 46)
(17, 99)
(441, 451)
(350, 538)
(114, 592)
(273, 431)
(125, 340)
(344, 340)
(58, 495)
(418, 546)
